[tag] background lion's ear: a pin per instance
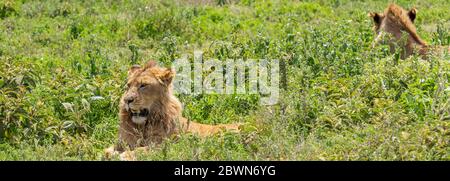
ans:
(133, 69)
(412, 14)
(376, 17)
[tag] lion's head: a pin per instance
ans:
(147, 87)
(395, 27)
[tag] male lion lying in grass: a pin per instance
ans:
(149, 112)
(393, 24)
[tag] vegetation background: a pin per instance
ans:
(63, 66)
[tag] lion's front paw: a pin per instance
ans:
(128, 156)
(110, 152)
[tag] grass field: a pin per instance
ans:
(63, 67)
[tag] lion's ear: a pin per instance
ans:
(150, 64)
(133, 69)
(412, 14)
(376, 17)
(166, 76)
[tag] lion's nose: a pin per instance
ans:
(129, 100)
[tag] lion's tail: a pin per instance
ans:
(207, 130)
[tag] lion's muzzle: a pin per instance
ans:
(140, 116)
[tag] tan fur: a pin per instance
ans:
(394, 22)
(165, 111)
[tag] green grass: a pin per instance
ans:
(343, 100)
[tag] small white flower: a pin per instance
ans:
(94, 98)
(447, 89)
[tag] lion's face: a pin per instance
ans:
(145, 87)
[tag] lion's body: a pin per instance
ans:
(396, 22)
(149, 112)
(167, 121)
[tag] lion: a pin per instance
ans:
(396, 22)
(149, 112)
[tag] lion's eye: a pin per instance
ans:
(142, 86)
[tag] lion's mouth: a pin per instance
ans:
(140, 116)
(141, 113)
